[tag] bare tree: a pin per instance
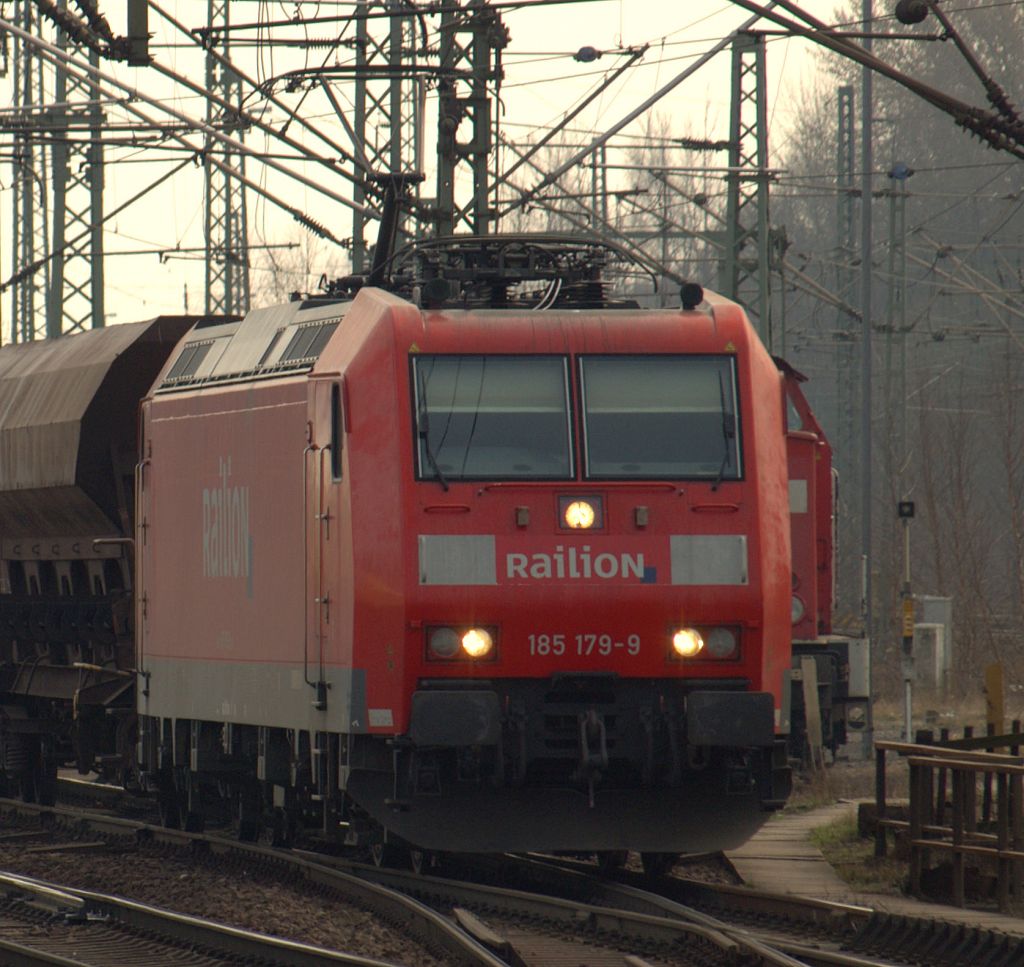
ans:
(296, 266)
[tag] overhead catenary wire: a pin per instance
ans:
(94, 78)
(28, 270)
(249, 118)
(553, 176)
(1000, 132)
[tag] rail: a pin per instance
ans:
(943, 815)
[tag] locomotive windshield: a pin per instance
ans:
(492, 417)
(660, 416)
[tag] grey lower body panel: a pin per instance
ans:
(252, 693)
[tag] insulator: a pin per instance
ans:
(911, 11)
(692, 295)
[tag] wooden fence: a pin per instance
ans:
(966, 801)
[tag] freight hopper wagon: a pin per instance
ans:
(68, 453)
(466, 568)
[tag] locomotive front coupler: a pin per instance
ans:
(593, 751)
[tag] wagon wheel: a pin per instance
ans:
(658, 864)
(276, 829)
(170, 812)
(44, 776)
(388, 854)
(190, 801)
(250, 813)
(610, 860)
(418, 859)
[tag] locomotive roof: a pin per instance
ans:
(475, 274)
(272, 341)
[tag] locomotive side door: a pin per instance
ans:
(323, 475)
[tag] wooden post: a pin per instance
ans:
(986, 788)
(959, 800)
(1002, 842)
(927, 737)
(1017, 827)
(940, 795)
(995, 702)
(916, 830)
(970, 798)
(880, 841)
(812, 712)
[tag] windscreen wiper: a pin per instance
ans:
(423, 427)
(728, 433)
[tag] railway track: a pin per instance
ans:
(513, 910)
(85, 830)
(636, 919)
(43, 924)
(840, 933)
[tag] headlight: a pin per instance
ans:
(477, 642)
(448, 643)
(579, 515)
(444, 642)
(687, 642)
(721, 643)
(796, 609)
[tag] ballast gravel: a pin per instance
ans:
(252, 900)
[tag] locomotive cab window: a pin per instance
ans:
(483, 417)
(660, 417)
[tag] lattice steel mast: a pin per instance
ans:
(226, 227)
(472, 39)
(75, 292)
(30, 243)
(389, 105)
(747, 268)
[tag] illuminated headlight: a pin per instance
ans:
(720, 643)
(447, 643)
(687, 642)
(444, 642)
(796, 609)
(477, 642)
(579, 515)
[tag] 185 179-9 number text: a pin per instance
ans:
(584, 644)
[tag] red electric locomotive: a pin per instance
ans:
(469, 564)
(477, 557)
